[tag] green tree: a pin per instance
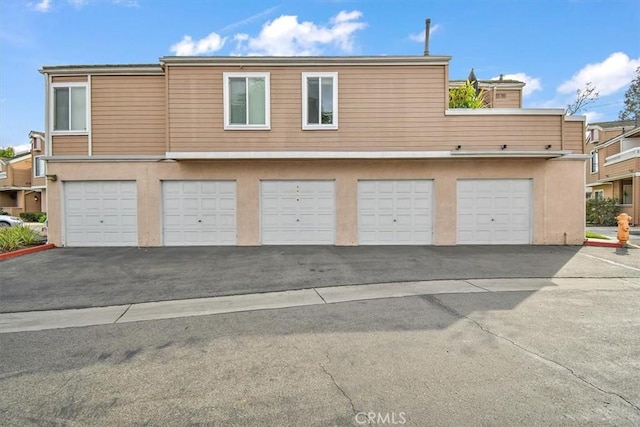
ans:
(466, 96)
(8, 152)
(584, 97)
(631, 110)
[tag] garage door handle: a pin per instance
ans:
(199, 220)
(493, 219)
(101, 221)
(297, 220)
(395, 220)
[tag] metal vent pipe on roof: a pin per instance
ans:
(427, 25)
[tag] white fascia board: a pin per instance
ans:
(260, 155)
(504, 112)
(104, 158)
(581, 157)
(575, 118)
(511, 153)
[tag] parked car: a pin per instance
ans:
(10, 221)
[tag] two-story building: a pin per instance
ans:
(302, 150)
(614, 166)
(22, 179)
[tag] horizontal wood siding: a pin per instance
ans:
(378, 108)
(574, 136)
(621, 168)
(38, 181)
(518, 132)
(76, 145)
(128, 115)
(512, 99)
(611, 150)
(69, 79)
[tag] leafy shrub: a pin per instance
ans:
(42, 218)
(32, 216)
(465, 96)
(12, 238)
(602, 212)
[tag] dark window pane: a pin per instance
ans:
(313, 101)
(61, 108)
(238, 101)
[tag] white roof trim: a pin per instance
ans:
(511, 153)
(504, 112)
(575, 118)
(204, 155)
(104, 158)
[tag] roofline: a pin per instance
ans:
(303, 60)
(506, 84)
(17, 158)
(616, 138)
(102, 69)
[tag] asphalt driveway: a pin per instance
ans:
(91, 277)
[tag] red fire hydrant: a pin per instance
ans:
(623, 228)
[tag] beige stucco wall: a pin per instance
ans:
(558, 209)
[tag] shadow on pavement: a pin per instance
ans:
(91, 277)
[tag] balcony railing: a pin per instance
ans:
(621, 157)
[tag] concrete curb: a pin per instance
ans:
(601, 243)
(73, 318)
(26, 251)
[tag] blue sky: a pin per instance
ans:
(556, 46)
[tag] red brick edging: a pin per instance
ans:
(27, 251)
(601, 244)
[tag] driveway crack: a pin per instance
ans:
(536, 355)
(123, 313)
(353, 408)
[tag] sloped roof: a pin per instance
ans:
(615, 124)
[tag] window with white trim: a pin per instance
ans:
(247, 101)
(69, 107)
(38, 166)
(319, 101)
(594, 161)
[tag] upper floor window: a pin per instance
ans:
(70, 107)
(38, 166)
(594, 161)
(247, 101)
(319, 101)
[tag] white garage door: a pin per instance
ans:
(100, 213)
(297, 212)
(395, 212)
(494, 211)
(199, 213)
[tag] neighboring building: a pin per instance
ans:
(22, 179)
(614, 167)
(499, 93)
(302, 150)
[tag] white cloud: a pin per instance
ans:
(592, 116)
(43, 6)
(249, 19)
(285, 36)
(608, 76)
(188, 47)
(419, 37)
(532, 84)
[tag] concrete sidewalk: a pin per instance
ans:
(58, 319)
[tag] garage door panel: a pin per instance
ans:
(395, 212)
(297, 212)
(100, 213)
(199, 213)
(494, 211)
